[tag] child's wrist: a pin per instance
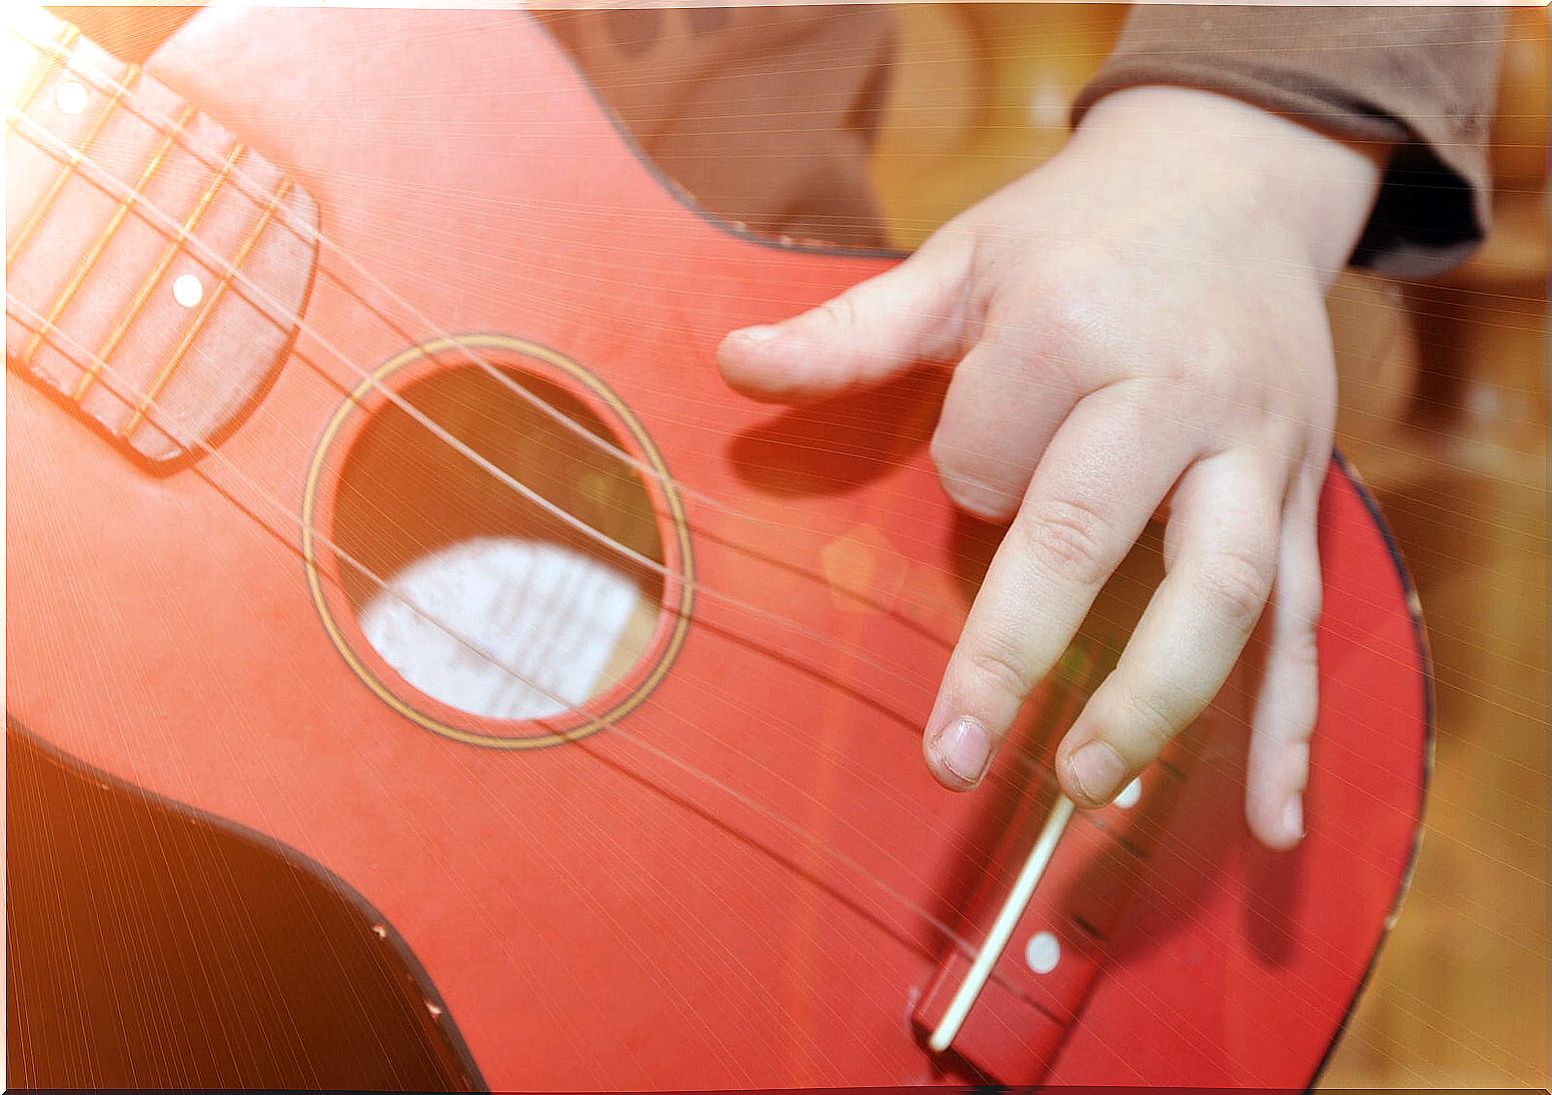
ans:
(1314, 188)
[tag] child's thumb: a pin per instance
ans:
(874, 330)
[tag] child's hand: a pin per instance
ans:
(1140, 320)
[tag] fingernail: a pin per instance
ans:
(964, 747)
(1097, 769)
(763, 333)
(1293, 818)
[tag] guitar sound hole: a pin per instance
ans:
(469, 590)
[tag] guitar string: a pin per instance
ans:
(75, 63)
(244, 184)
(27, 125)
(545, 504)
(312, 234)
(30, 125)
(555, 414)
(80, 356)
(809, 838)
(804, 835)
(866, 657)
(568, 421)
(98, 78)
(941, 928)
(901, 675)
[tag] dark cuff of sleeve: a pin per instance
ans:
(1420, 78)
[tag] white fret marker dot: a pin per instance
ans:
(187, 290)
(1130, 795)
(1042, 952)
(71, 97)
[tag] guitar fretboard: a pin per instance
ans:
(155, 264)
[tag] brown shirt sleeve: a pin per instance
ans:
(1422, 77)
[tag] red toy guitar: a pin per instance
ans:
(371, 488)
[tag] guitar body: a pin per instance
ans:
(720, 872)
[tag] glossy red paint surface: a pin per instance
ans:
(606, 913)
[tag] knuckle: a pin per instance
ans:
(1068, 538)
(1044, 319)
(1074, 284)
(1236, 584)
(1184, 376)
(841, 310)
(1209, 356)
(1302, 652)
(997, 658)
(1150, 721)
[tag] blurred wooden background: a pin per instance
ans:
(1445, 412)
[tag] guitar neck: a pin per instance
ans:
(148, 250)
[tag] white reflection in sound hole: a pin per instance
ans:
(494, 605)
(540, 624)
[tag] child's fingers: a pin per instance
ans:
(999, 414)
(1191, 633)
(1090, 497)
(1284, 716)
(911, 313)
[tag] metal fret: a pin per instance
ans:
(67, 294)
(174, 246)
(76, 156)
(48, 60)
(160, 382)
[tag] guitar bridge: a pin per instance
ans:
(1057, 889)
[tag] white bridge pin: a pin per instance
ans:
(1042, 952)
(188, 290)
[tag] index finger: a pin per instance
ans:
(1100, 480)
